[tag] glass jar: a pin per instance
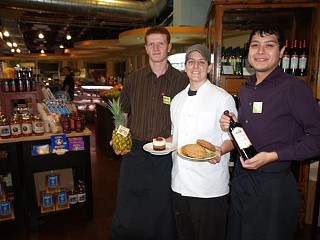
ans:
(37, 125)
(4, 128)
(79, 123)
(15, 126)
(26, 125)
(65, 123)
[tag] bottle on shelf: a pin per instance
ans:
(294, 60)
(240, 139)
(238, 62)
(303, 58)
(285, 61)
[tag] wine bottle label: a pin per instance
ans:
(294, 62)
(302, 62)
(285, 62)
(241, 138)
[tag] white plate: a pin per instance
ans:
(208, 156)
(169, 148)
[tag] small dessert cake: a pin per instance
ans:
(159, 144)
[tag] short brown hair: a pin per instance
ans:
(157, 29)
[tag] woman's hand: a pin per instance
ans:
(216, 158)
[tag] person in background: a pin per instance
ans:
(282, 120)
(101, 78)
(68, 83)
(200, 188)
(144, 197)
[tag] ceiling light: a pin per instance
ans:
(42, 51)
(41, 36)
(14, 44)
(68, 36)
(18, 50)
(12, 50)
(9, 44)
(6, 34)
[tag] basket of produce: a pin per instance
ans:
(114, 92)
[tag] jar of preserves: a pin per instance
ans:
(26, 125)
(79, 123)
(65, 124)
(15, 126)
(4, 128)
(37, 125)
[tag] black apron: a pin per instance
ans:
(144, 201)
(264, 206)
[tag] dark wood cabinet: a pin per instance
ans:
(9, 163)
(24, 165)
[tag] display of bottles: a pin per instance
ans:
(23, 81)
(303, 58)
(295, 58)
(240, 139)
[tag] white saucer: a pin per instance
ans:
(169, 148)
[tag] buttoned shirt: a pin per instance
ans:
(197, 117)
(146, 98)
(280, 114)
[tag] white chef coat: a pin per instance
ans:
(197, 117)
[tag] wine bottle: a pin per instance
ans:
(294, 58)
(240, 139)
(285, 61)
(303, 58)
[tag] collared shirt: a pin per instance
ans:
(197, 117)
(280, 114)
(146, 98)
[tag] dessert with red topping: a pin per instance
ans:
(159, 144)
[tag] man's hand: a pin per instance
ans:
(259, 160)
(225, 121)
(119, 152)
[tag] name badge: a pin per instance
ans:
(257, 107)
(166, 100)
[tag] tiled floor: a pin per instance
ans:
(76, 226)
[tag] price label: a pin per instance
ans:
(123, 130)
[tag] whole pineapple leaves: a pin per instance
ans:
(115, 107)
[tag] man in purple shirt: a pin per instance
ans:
(282, 120)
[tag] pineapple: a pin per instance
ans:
(121, 137)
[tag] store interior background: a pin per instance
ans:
(106, 39)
